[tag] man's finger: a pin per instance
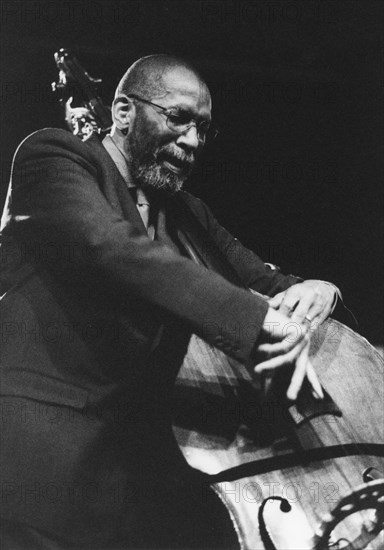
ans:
(299, 373)
(314, 381)
(317, 315)
(305, 307)
(289, 302)
(294, 334)
(276, 300)
(282, 359)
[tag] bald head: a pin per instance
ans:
(146, 77)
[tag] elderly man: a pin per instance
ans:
(101, 292)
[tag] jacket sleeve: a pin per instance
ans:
(55, 206)
(254, 273)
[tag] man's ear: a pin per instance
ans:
(122, 112)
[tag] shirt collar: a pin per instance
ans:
(119, 159)
(122, 166)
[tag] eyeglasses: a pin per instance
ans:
(180, 121)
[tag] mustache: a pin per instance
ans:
(182, 156)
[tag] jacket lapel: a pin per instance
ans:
(197, 242)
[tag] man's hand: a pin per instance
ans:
(285, 343)
(310, 301)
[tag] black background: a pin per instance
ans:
(297, 87)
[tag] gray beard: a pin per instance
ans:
(147, 172)
(150, 174)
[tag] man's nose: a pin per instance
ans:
(189, 139)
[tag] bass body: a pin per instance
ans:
(300, 476)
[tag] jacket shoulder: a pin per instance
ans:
(52, 141)
(51, 135)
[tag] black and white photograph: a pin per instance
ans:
(192, 275)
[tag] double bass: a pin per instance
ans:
(307, 475)
(294, 476)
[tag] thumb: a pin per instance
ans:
(276, 300)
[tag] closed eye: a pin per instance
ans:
(179, 117)
(183, 118)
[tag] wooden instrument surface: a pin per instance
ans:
(220, 424)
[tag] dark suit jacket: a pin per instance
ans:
(85, 415)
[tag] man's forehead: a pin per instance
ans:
(181, 81)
